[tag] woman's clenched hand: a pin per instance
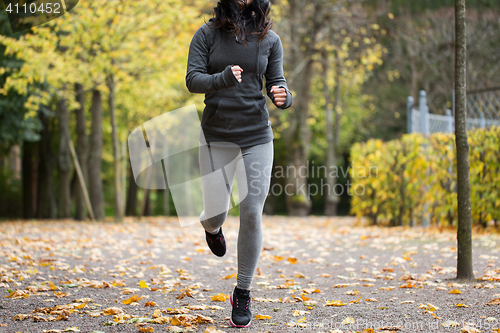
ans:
(279, 95)
(237, 71)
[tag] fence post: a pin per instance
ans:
(482, 120)
(424, 113)
(449, 127)
(424, 129)
(409, 108)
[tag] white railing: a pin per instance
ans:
(481, 108)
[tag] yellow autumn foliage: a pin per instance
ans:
(398, 181)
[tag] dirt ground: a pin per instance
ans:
(315, 274)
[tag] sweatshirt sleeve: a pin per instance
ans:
(197, 78)
(274, 74)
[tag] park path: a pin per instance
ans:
(315, 274)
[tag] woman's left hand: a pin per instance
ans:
(279, 95)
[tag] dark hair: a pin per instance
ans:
(227, 15)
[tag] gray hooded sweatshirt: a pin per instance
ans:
(235, 111)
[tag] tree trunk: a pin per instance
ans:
(15, 161)
(331, 198)
(464, 230)
(82, 151)
(131, 194)
(270, 204)
(64, 161)
(297, 135)
(116, 152)
(47, 206)
(29, 176)
(147, 202)
(95, 157)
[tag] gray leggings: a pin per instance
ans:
(253, 174)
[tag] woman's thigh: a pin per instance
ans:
(256, 174)
(217, 169)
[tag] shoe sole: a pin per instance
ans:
(231, 320)
(218, 255)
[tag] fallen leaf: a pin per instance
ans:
(131, 299)
(219, 297)
(356, 301)
(112, 311)
(334, 303)
(496, 301)
(262, 317)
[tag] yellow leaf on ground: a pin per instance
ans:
(131, 299)
(356, 301)
(334, 303)
(81, 306)
(52, 286)
(454, 291)
(16, 294)
(112, 311)
(262, 317)
(144, 328)
(143, 284)
(292, 260)
(302, 320)
(348, 320)
(219, 297)
(460, 305)
(431, 308)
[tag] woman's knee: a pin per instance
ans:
(216, 219)
(252, 218)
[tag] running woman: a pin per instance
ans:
(228, 57)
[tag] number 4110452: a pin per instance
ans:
(33, 9)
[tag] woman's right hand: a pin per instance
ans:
(237, 72)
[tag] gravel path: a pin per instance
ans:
(397, 278)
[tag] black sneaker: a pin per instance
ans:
(216, 243)
(241, 316)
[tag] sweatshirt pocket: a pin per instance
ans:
(236, 115)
